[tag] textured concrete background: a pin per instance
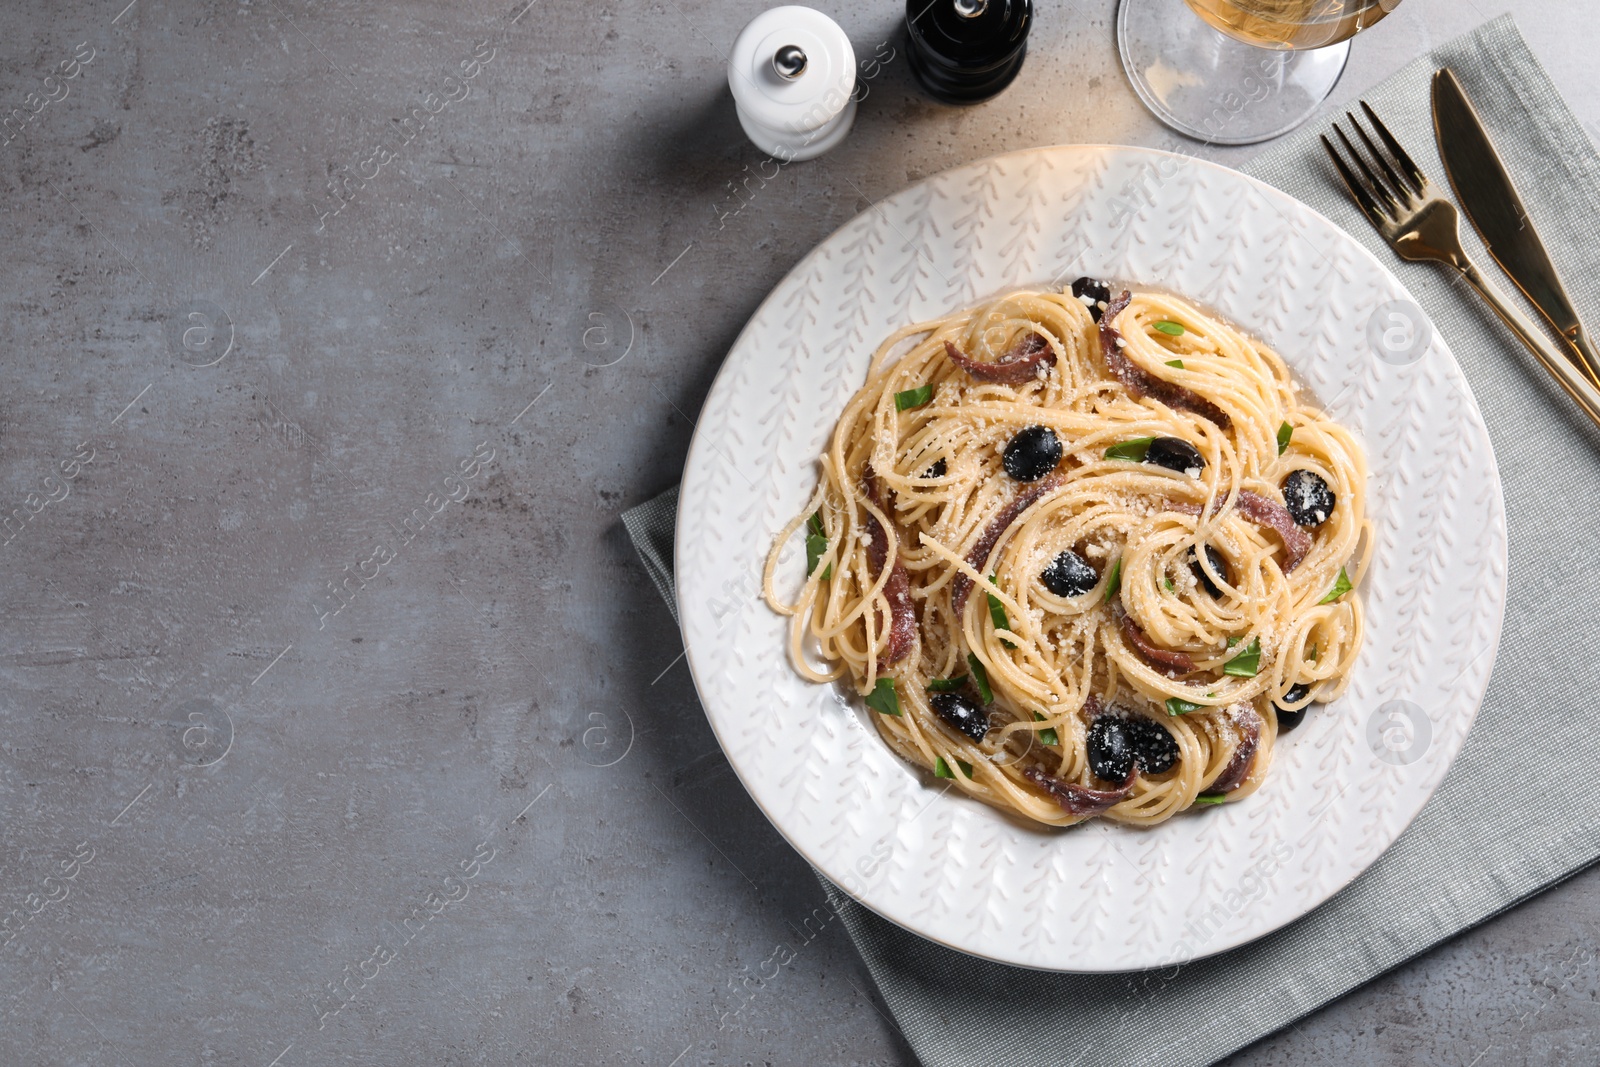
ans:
(337, 721)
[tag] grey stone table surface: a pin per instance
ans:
(338, 723)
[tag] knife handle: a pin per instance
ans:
(1587, 358)
(1573, 382)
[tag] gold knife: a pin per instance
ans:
(1491, 202)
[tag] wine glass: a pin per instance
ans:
(1252, 70)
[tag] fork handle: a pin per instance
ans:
(1571, 380)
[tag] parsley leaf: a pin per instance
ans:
(1048, 735)
(946, 685)
(883, 698)
(980, 677)
(941, 769)
(1247, 663)
(1179, 706)
(1133, 450)
(913, 398)
(1116, 581)
(997, 613)
(815, 546)
(1215, 798)
(1285, 432)
(1170, 328)
(1175, 363)
(1340, 588)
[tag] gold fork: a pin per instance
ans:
(1421, 225)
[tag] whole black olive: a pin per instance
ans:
(1288, 720)
(1176, 454)
(1069, 574)
(962, 714)
(1110, 748)
(1219, 565)
(1153, 745)
(1099, 294)
(1308, 498)
(1032, 454)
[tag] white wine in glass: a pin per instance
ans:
(1291, 23)
(1250, 71)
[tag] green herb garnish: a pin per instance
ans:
(941, 769)
(1247, 663)
(1116, 581)
(980, 678)
(1179, 706)
(1285, 432)
(913, 398)
(1170, 328)
(1312, 654)
(946, 685)
(883, 698)
(1048, 735)
(1168, 583)
(1133, 450)
(1218, 798)
(816, 545)
(1340, 588)
(997, 613)
(1175, 363)
(1232, 641)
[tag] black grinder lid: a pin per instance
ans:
(968, 49)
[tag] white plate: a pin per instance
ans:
(1098, 897)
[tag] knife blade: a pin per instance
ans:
(1490, 200)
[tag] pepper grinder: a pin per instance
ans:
(964, 51)
(793, 73)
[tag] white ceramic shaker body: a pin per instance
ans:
(793, 73)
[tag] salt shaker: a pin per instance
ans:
(964, 51)
(793, 73)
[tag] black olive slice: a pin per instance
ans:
(1032, 453)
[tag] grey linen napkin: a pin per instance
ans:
(1478, 848)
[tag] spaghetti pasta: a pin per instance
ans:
(1083, 556)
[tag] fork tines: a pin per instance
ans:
(1401, 183)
